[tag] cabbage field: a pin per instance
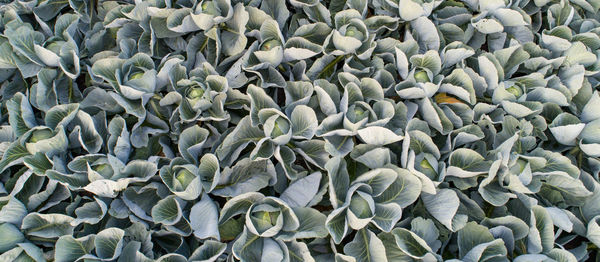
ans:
(299, 130)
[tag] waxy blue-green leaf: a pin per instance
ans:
(425, 228)
(366, 247)
(13, 211)
(565, 128)
(234, 41)
(561, 255)
(109, 243)
(541, 235)
(302, 191)
(91, 212)
(167, 211)
(410, 243)
(131, 252)
(311, 225)
(209, 172)
(410, 10)
(588, 140)
(375, 135)
(85, 132)
(427, 35)
(210, 250)
(191, 143)
(466, 163)
(392, 251)
(371, 156)
(560, 218)
(519, 228)
(471, 236)
(442, 206)
(337, 224)
(404, 191)
(47, 225)
(11, 236)
(21, 116)
(24, 252)
(43, 140)
(490, 250)
(69, 248)
(304, 122)
(245, 176)
(23, 40)
(238, 205)
(238, 139)
(578, 54)
(204, 218)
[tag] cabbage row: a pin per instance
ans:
(299, 130)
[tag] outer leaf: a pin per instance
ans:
(209, 251)
(304, 122)
(245, 176)
(109, 243)
(69, 248)
(191, 142)
(10, 236)
(375, 135)
(204, 218)
(442, 206)
(366, 247)
(167, 211)
(410, 243)
(13, 212)
(47, 225)
(302, 191)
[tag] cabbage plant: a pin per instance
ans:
(300, 130)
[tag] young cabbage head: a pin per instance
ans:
(137, 75)
(421, 76)
(184, 177)
(41, 134)
(270, 44)
(515, 90)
